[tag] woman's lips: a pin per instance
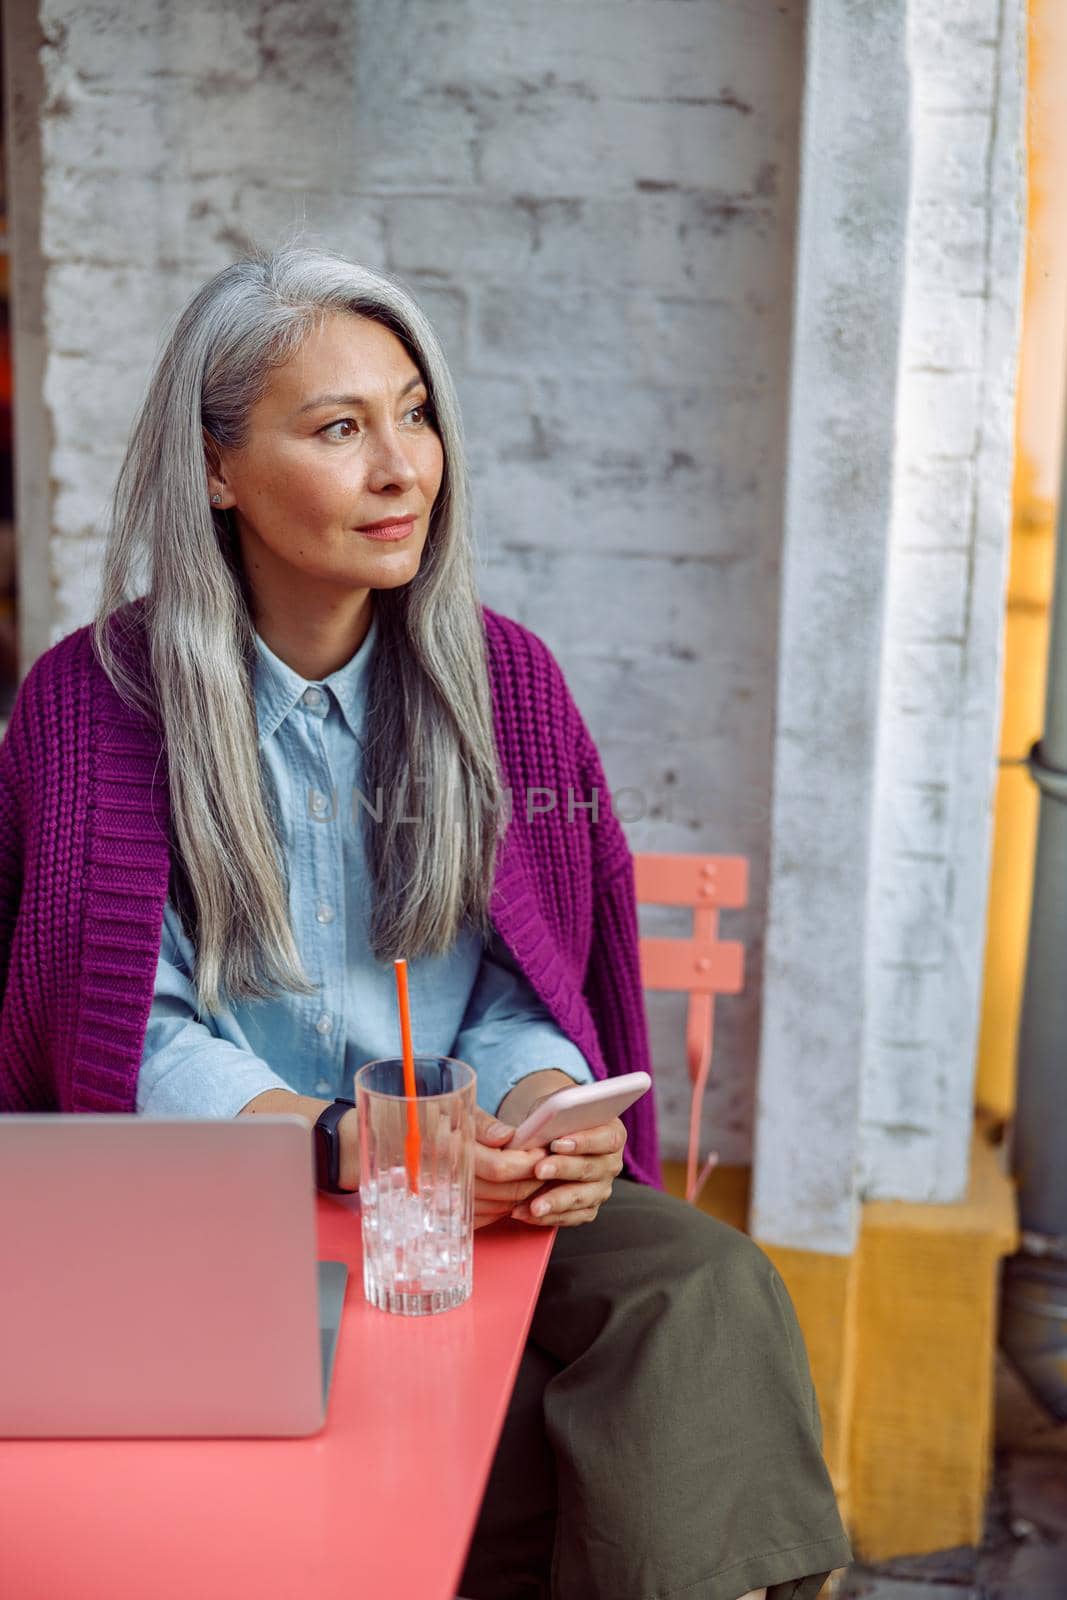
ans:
(389, 530)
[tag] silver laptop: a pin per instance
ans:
(158, 1278)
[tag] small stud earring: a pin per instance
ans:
(216, 499)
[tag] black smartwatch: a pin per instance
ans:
(328, 1147)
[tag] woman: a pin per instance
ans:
(307, 749)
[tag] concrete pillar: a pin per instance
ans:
(910, 245)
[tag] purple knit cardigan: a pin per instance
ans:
(85, 864)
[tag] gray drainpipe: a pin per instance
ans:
(1033, 1327)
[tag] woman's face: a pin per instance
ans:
(341, 438)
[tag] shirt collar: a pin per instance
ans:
(278, 688)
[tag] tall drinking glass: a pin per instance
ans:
(418, 1220)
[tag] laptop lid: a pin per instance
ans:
(158, 1277)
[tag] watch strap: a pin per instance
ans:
(328, 1146)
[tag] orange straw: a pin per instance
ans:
(412, 1142)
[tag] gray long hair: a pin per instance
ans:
(429, 743)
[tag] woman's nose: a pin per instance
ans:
(392, 459)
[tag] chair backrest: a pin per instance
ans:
(702, 965)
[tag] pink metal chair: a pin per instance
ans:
(702, 966)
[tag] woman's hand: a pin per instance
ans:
(502, 1177)
(583, 1166)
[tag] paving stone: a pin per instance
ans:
(1037, 1497)
(1031, 1572)
(956, 1566)
(876, 1587)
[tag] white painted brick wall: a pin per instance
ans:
(594, 204)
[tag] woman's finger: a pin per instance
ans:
(506, 1194)
(482, 1219)
(601, 1140)
(562, 1198)
(571, 1219)
(580, 1169)
(488, 1130)
(495, 1200)
(563, 1219)
(504, 1166)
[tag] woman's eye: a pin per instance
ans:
(345, 422)
(349, 423)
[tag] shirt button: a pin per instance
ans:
(318, 802)
(324, 1024)
(322, 1087)
(323, 912)
(314, 698)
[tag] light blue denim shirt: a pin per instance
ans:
(472, 1003)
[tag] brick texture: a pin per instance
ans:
(594, 204)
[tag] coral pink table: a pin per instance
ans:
(378, 1506)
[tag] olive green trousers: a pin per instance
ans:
(663, 1440)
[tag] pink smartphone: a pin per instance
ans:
(585, 1106)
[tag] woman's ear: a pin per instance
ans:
(217, 487)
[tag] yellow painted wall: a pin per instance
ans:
(920, 1440)
(1038, 439)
